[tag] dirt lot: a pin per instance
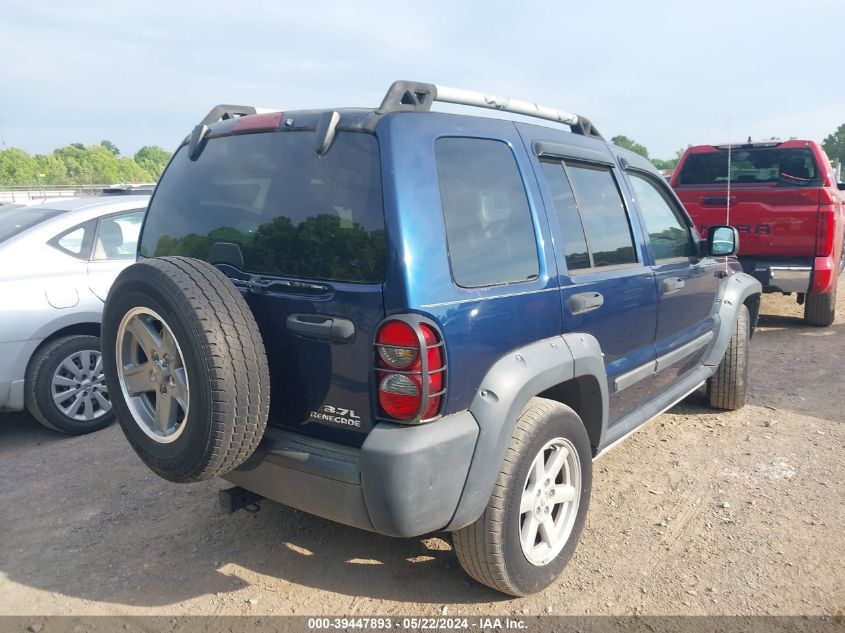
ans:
(698, 513)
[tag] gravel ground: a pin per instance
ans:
(698, 513)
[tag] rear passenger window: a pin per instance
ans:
(574, 242)
(669, 235)
(488, 222)
(605, 220)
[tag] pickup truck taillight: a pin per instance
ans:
(826, 227)
(410, 370)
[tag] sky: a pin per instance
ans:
(666, 74)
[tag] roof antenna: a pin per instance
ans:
(728, 204)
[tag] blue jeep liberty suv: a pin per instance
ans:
(411, 321)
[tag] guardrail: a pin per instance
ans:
(11, 194)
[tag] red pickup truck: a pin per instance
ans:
(787, 207)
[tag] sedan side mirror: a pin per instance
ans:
(722, 241)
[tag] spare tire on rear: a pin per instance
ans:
(185, 367)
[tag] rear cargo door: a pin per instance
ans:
(774, 197)
(302, 236)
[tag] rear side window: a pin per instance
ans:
(267, 203)
(76, 241)
(574, 242)
(488, 221)
(117, 236)
(603, 213)
(787, 167)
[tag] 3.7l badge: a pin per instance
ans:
(336, 415)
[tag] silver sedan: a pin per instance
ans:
(57, 262)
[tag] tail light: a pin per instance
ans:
(410, 370)
(826, 226)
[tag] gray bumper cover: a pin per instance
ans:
(403, 481)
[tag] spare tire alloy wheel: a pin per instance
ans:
(186, 368)
(152, 374)
(550, 500)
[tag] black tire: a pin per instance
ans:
(820, 310)
(489, 550)
(40, 400)
(224, 359)
(728, 387)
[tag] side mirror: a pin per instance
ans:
(841, 186)
(722, 241)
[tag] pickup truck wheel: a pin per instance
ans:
(186, 367)
(65, 386)
(532, 522)
(728, 387)
(820, 309)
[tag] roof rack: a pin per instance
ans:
(415, 96)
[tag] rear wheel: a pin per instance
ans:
(820, 309)
(728, 387)
(65, 386)
(186, 367)
(532, 522)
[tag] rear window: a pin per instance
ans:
(14, 221)
(789, 167)
(267, 203)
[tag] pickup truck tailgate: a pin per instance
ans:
(772, 221)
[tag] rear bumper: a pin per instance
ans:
(780, 275)
(815, 275)
(14, 357)
(403, 481)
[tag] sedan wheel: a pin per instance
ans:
(79, 388)
(65, 385)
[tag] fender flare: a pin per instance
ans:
(502, 395)
(737, 290)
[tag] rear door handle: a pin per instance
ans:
(585, 302)
(322, 328)
(672, 284)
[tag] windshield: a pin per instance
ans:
(786, 167)
(14, 221)
(267, 203)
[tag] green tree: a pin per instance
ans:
(17, 167)
(834, 144)
(660, 163)
(152, 159)
(53, 169)
(110, 146)
(631, 144)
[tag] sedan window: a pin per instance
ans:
(117, 236)
(76, 241)
(14, 221)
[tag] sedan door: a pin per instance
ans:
(115, 247)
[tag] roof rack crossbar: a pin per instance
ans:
(414, 96)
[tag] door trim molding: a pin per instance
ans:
(632, 377)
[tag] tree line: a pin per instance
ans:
(833, 145)
(76, 164)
